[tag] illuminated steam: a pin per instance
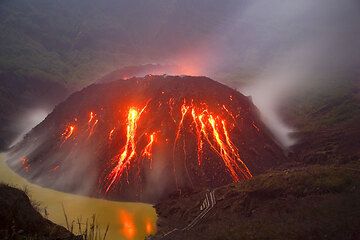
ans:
(283, 47)
(27, 121)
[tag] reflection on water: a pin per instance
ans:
(130, 225)
(128, 228)
(127, 221)
(149, 228)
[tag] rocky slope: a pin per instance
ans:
(327, 123)
(145, 138)
(313, 202)
(139, 71)
(20, 220)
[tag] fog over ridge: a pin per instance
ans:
(286, 47)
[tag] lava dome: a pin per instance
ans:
(142, 139)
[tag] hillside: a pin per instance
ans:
(327, 122)
(142, 139)
(314, 202)
(79, 41)
(20, 220)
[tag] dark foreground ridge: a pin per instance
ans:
(20, 220)
(313, 202)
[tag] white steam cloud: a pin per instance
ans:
(284, 47)
(28, 121)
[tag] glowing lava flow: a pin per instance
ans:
(68, 132)
(184, 110)
(198, 135)
(148, 148)
(91, 117)
(227, 110)
(92, 122)
(111, 133)
(25, 164)
(129, 149)
(208, 127)
(224, 151)
(212, 132)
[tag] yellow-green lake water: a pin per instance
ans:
(127, 220)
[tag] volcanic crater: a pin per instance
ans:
(142, 139)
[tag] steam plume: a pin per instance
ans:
(283, 47)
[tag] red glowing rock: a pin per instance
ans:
(145, 138)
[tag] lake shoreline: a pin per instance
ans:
(127, 220)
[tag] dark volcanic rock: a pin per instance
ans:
(186, 133)
(138, 71)
(19, 219)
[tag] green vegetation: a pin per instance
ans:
(313, 202)
(312, 179)
(316, 202)
(326, 104)
(90, 230)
